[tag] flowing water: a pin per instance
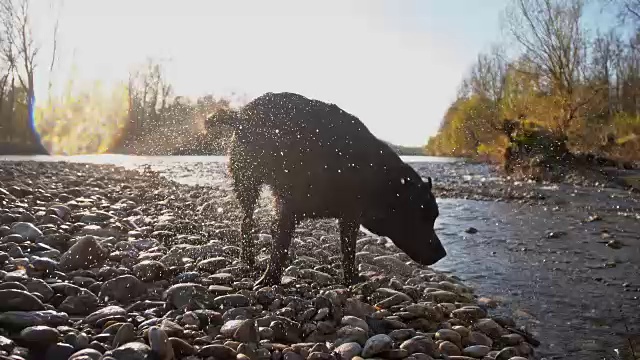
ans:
(548, 267)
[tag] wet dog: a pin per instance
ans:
(322, 162)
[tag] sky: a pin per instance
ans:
(395, 64)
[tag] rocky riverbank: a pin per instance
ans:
(102, 262)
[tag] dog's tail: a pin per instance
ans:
(229, 118)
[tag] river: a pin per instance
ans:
(548, 264)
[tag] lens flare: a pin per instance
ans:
(85, 121)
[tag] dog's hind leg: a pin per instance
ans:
(348, 236)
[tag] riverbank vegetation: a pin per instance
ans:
(572, 90)
(561, 85)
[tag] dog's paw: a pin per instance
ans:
(265, 281)
(354, 280)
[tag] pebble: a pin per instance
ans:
(377, 344)
(26, 230)
(39, 336)
(19, 300)
(476, 351)
(85, 253)
(160, 344)
(354, 321)
(348, 350)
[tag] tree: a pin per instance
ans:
(553, 45)
(19, 51)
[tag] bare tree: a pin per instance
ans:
(553, 43)
(489, 74)
(56, 27)
(628, 11)
(19, 52)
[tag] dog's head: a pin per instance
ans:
(405, 211)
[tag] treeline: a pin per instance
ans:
(578, 88)
(18, 51)
(162, 123)
(142, 116)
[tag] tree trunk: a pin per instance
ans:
(12, 103)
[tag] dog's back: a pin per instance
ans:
(313, 152)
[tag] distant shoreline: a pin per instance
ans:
(29, 149)
(21, 149)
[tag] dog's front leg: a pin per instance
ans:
(285, 225)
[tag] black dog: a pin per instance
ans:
(321, 161)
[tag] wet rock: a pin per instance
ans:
(511, 339)
(218, 351)
(86, 354)
(354, 321)
(357, 308)
(13, 238)
(469, 313)
(555, 234)
(27, 230)
(348, 350)
(449, 348)
(6, 344)
(376, 345)
(122, 289)
(171, 328)
(476, 351)
(441, 296)
(149, 270)
(181, 347)
(130, 351)
(39, 336)
(84, 303)
(478, 338)
(19, 300)
(317, 355)
(181, 295)
(232, 300)
(106, 312)
(213, 265)
(419, 344)
(241, 330)
(615, 244)
(84, 254)
(393, 265)
(507, 353)
(449, 335)
(317, 277)
(126, 333)
(471, 230)
(96, 217)
(38, 286)
(218, 290)
(351, 334)
(160, 344)
(490, 328)
(59, 351)
(23, 319)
